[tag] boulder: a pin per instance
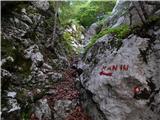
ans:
(42, 5)
(56, 76)
(123, 81)
(42, 110)
(111, 75)
(63, 108)
(5, 74)
(92, 30)
(33, 53)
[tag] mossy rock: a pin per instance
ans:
(153, 19)
(16, 53)
(119, 32)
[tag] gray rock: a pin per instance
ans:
(24, 29)
(28, 52)
(37, 58)
(24, 16)
(7, 60)
(114, 94)
(41, 76)
(43, 5)
(5, 73)
(13, 105)
(27, 19)
(131, 13)
(11, 94)
(45, 65)
(92, 30)
(56, 76)
(20, 24)
(12, 108)
(34, 68)
(42, 110)
(33, 53)
(63, 108)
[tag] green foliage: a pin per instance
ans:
(26, 112)
(91, 43)
(72, 36)
(66, 12)
(87, 15)
(80, 13)
(66, 42)
(101, 22)
(119, 32)
(49, 23)
(67, 36)
(85, 12)
(153, 19)
(94, 11)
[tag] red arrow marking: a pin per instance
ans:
(105, 73)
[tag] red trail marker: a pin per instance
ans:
(105, 73)
(136, 89)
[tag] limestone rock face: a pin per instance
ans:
(27, 61)
(92, 30)
(132, 13)
(43, 5)
(124, 81)
(115, 93)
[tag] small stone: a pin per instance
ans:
(45, 65)
(63, 108)
(42, 110)
(5, 73)
(14, 105)
(11, 94)
(56, 76)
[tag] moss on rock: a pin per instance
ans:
(119, 32)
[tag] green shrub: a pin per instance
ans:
(85, 12)
(120, 32)
(90, 13)
(87, 15)
(66, 42)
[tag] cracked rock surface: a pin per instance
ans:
(124, 82)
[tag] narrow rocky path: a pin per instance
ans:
(64, 98)
(66, 90)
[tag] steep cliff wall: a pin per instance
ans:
(32, 58)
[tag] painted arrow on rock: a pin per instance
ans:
(106, 73)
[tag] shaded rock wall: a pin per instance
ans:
(31, 60)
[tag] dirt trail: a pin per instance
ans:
(66, 90)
